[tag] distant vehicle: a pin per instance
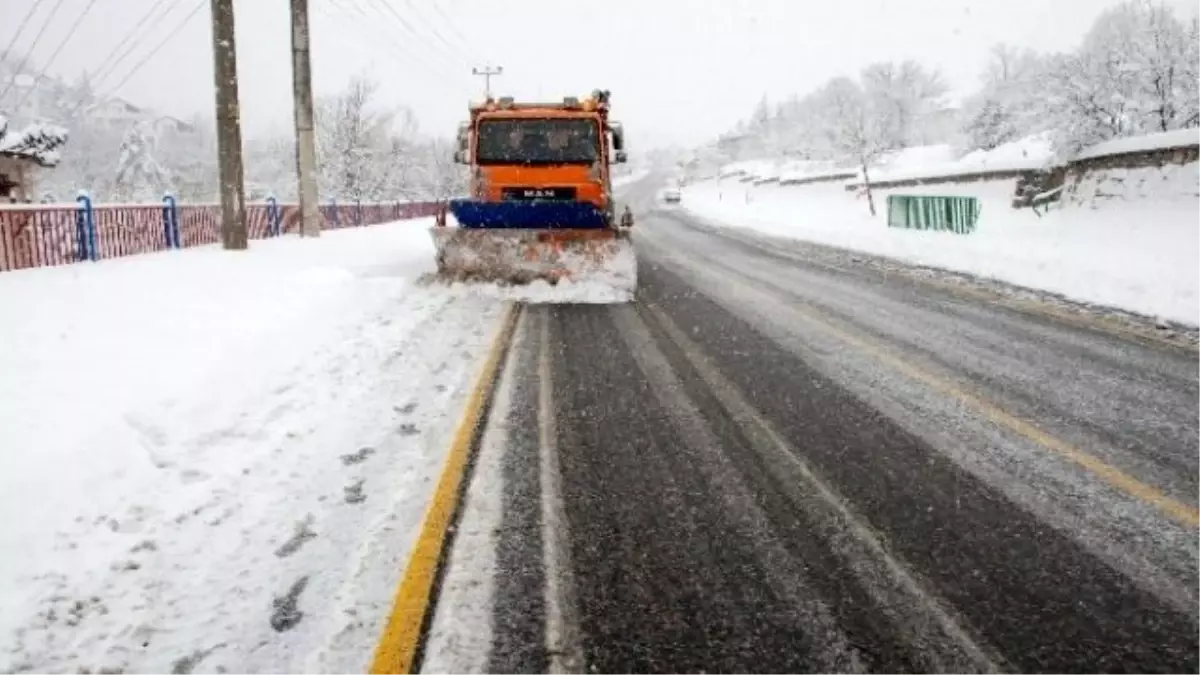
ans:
(672, 195)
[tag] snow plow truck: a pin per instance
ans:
(540, 204)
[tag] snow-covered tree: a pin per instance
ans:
(1135, 73)
(855, 127)
(363, 151)
(899, 94)
(1011, 101)
(138, 172)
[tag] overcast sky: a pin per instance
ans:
(680, 71)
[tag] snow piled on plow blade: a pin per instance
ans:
(556, 266)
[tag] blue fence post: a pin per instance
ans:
(88, 249)
(81, 237)
(170, 221)
(274, 227)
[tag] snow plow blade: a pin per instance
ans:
(527, 215)
(517, 243)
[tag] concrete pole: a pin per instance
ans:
(306, 147)
(229, 128)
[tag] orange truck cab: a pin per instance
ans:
(540, 165)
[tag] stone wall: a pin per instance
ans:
(1168, 173)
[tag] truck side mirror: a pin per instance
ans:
(620, 157)
(618, 136)
(464, 138)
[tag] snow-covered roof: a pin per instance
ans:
(1180, 138)
(37, 142)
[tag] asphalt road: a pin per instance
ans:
(779, 460)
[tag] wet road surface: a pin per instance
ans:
(775, 460)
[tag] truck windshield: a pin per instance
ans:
(538, 141)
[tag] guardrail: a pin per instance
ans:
(947, 214)
(44, 235)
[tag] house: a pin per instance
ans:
(15, 177)
(22, 153)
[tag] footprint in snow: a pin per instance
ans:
(286, 609)
(354, 493)
(357, 457)
(302, 534)
(185, 664)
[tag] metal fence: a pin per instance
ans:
(948, 214)
(37, 235)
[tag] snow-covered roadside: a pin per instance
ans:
(630, 178)
(1140, 255)
(215, 460)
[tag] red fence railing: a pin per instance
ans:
(37, 235)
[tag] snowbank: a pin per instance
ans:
(223, 457)
(1179, 138)
(1140, 255)
(629, 178)
(916, 158)
(938, 161)
(752, 168)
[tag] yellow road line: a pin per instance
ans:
(397, 648)
(1179, 511)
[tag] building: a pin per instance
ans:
(16, 177)
(22, 154)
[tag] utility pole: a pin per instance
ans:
(306, 150)
(229, 128)
(487, 72)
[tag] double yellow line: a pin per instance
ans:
(397, 648)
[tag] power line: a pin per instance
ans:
(49, 62)
(174, 31)
(437, 34)
(106, 67)
(20, 29)
(12, 80)
(108, 64)
(398, 50)
(398, 19)
(470, 46)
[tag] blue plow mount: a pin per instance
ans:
(529, 215)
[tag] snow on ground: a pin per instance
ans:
(218, 460)
(629, 178)
(1139, 254)
(933, 161)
